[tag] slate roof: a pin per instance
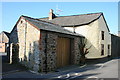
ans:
(43, 25)
(74, 20)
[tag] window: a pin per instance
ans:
(21, 22)
(108, 49)
(102, 49)
(108, 46)
(102, 34)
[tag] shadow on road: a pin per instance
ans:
(6, 67)
(68, 72)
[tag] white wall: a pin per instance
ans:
(29, 34)
(107, 41)
(93, 34)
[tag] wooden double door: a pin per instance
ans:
(63, 52)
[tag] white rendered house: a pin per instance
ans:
(92, 26)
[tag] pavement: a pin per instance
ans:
(10, 68)
(107, 69)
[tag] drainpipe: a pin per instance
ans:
(73, 28)
(46, 36)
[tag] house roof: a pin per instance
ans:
(6, 33)
(115, 35)
(43, 25)
(74, 20)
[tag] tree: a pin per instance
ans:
(83, 50)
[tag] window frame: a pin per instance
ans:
(102, 35)
(102, 49)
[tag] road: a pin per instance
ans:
(101, 70)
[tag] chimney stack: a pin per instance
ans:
(51, 14)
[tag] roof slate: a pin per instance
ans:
(74, 20)
(49, 26)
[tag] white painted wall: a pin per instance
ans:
(93, 34)
(103, 27)
(32, 37)
(29, 34)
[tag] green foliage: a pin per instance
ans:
(83, 50)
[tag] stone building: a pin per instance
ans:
(115, 46)
(93, 26)
(43, 46)
(4, 40)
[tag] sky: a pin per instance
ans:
(11, 11)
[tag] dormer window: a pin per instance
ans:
(102, 34)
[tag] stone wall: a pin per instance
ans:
(37, 48)
(115, 46)
(27, 37)
(76, 50)
(42, 66)
(48, 45)
(51, 51)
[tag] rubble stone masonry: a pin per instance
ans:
(37, 48)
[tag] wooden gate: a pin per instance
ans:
(63, 52)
